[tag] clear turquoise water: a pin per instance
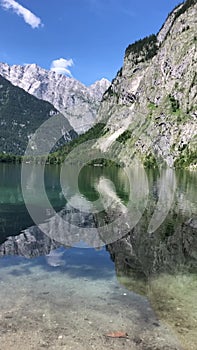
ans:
(67, 298)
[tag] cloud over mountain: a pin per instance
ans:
(61, 65)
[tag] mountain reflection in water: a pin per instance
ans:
(161, 265)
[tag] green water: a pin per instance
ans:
(81, 292)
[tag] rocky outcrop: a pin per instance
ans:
(30, 243)
(77, 102)
(150, 106)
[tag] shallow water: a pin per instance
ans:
(58, 297)
(71, 299)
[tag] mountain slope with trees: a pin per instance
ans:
(151, 105)
(21, 114)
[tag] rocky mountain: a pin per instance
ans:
(76, 101)
(21, 114)
(151, 105)
(30, 243)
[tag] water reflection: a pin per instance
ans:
(159, 263)
(14, 216)
(163, 264)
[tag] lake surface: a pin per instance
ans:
(119, 254)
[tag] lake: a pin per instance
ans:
(106, 251)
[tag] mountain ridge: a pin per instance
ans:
(151, 105)
(73, 99)
(21, 114)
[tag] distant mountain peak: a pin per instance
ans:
(73, 99)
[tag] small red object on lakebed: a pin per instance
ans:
(117, 335)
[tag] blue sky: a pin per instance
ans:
(91, 35)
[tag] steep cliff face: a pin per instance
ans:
(151, 104)
(73, 99)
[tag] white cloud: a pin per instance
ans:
(61, 65)
(27, 15)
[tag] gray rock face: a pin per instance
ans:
(31, 243)
(168, 24)
(154, 95)
(73, 99)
